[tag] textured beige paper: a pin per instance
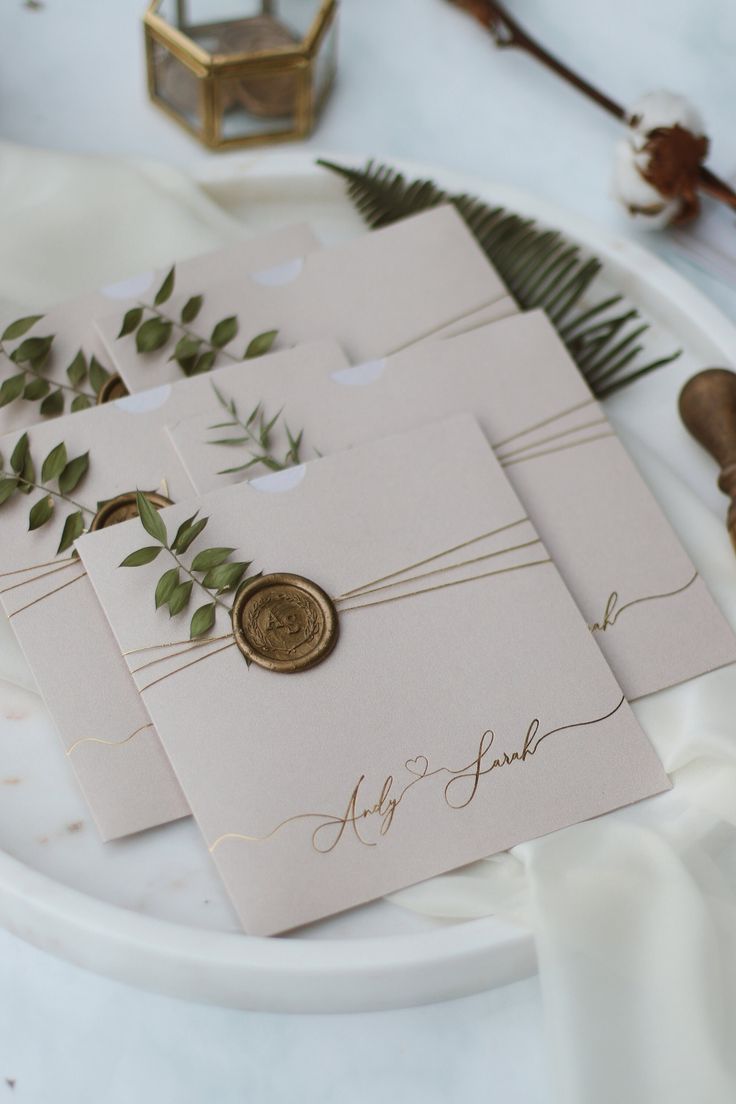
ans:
(612, 544)
(376, 294)
(431, 683)
(72, 323)
(104, 726)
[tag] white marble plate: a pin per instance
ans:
(150, 910)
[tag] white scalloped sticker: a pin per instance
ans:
(131, 288)
(278, 482)
(359, 375)
(280, 274)
(143, 401)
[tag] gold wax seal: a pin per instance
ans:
(284, 622)
(124, 507)
(112, 388)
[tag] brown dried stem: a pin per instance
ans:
(507, 32)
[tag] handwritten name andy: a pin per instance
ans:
(368, 821)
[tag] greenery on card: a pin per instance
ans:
(209, 573)
(254, 434)
(56, 477)
(28, 378)
(153, 330)
(51, 483)
(539, 266)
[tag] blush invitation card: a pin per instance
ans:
(59, 479)
(380, 674)
(56, 362)
(646, 607)
(374, 295)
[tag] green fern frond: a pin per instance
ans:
(540, 268)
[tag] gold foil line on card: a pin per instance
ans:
(106, 743)
(358, 817)
(613, 611)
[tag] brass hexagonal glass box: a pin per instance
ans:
(241, 72)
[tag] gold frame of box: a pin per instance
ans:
(211, 70)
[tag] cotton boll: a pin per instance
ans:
(644, 203)
(658, 163)
(663, 109)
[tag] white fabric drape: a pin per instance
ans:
(634, 914)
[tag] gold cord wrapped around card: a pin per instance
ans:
(286, 623)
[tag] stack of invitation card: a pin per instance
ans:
(76, 474)
(628, 572)
(461, 706)
(400, 685)
(335, 550)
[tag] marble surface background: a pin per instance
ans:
(417, 80)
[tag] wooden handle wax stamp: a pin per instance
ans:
(708, 409)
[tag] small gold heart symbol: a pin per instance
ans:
(418, 766)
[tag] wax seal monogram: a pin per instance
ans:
(113, 388)
(284, 622)
(124, 507)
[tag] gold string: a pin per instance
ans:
(360, 592)
(356, 593)
(543, 422)
(49, 595)
(184, 667)
(108, 743)
(193, 645)
(451, 322)
(32, 567)
(559, 448)
(442, 586)
(171, 644)
(347, 609)
(36, 578)
(553, 437)
(439, 570)
(420, 563)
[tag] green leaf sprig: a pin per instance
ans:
(58, 479)
(255, 435)
(211, 570)
(28, 380)
(155, 330)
